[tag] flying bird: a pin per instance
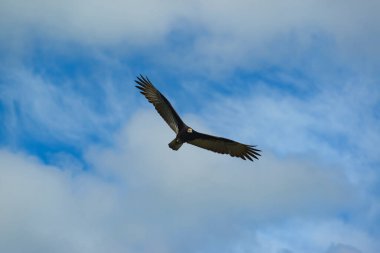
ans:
(187, 134)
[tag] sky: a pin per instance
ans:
(84, 161)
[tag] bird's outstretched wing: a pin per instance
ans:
(162, 105)
(224, 146)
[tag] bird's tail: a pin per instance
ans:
(175, 145)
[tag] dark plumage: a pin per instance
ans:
(187, 134)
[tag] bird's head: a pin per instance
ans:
(190, 130)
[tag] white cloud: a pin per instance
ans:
(92, 21)
(141, 196)
(44, 209)
(208, 175)
(239, 34)
(330, 236)
(109, 20)
(341, 248)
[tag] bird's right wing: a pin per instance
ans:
(224, 146)
(162, 105)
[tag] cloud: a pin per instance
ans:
(213, 37)
(92, 21)
(341, 248)
(45, 209)
(63, 110)
(141, 196)
(216, 191)
(110, 20)
(334, 124)
(241, 185)
(310, 236)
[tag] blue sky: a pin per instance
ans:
(84, 161)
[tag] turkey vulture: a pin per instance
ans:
(187, 134)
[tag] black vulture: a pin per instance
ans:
(187, 134)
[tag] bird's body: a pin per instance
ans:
(186, 134)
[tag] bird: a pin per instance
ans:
(186, 134)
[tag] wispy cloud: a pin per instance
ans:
(62, 110)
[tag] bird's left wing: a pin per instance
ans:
(224, 146)
(162, 105)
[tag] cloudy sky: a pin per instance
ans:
(84, 161)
